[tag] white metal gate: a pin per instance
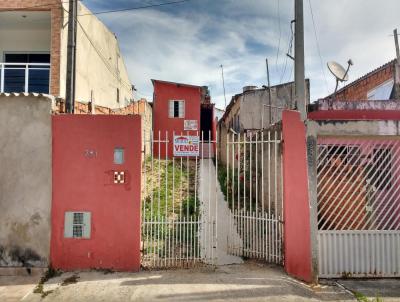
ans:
(358, 194)
(253, 183)
(178, 220)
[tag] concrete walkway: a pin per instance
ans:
(246, 282)
(15, 288)
(214, 208)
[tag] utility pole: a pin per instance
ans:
(396, 43)
(223, 83)
(269, 95)
(397, 65)
(299, 75)
(71, 57)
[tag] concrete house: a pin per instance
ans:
(251, 110)
(181, 109)
(33, 53)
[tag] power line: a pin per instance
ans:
(290, 46)
(134, 8)
(279, 40)
(106, 63)
(318, 48)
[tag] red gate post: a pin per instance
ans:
(96, 192)
(297, 236)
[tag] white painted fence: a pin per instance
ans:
(254, 193)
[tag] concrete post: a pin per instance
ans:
(312, 191)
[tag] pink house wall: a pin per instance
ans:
(83, 166)
(297, 236)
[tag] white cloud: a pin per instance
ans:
(189, 46)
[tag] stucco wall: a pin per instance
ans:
(25, 180)
(297, 231)
(29, 40)
(100, 66)
(84, 181)
(162, 123)
(253, 106)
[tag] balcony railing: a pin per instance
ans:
(24, 77)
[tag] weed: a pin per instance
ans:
(70, 280)
(50, 273)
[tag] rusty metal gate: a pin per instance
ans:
(358, 194)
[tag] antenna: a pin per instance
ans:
(223, 82)
(339, 72)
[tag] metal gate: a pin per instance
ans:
(178, 220)
(196, 209)
(253, 183)
(358, 194)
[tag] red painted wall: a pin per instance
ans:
(354, 115)
(295, 197)
(85, 183)
(162, 123)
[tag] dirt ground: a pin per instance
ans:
(245, 282)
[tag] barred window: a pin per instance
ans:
(77, 225)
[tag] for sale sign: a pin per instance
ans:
(186, 145)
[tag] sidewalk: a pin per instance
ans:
(246, 282)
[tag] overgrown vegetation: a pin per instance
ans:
(170, 188)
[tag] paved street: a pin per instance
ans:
(247, 282)
(386, 289)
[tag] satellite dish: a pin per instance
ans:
(339, 72)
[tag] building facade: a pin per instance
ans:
(181, 109)
(36, 60)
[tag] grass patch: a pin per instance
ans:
(170, 188)
(362, 298)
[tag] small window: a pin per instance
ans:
(77, 225)
(381, 92)
(177, 109)
(117, 95)
(118, 156)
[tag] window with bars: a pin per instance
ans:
(77, 225)
(335, 154)
(380, 171)
(176, 109)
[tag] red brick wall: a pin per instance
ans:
(54, 6)
(359, 89)
(137, 107)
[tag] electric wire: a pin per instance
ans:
(318, 48)
(135, 8)
(280, 34)
(106, 63)
(290, 47)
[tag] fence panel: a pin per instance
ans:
(173, 218)
(253, 183)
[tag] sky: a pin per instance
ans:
(187, 42)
